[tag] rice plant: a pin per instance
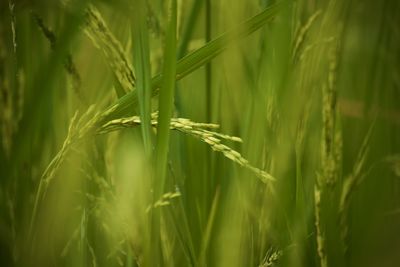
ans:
(200, 133)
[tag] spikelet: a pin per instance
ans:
(98, 31)
(78, 129)
(165, 200)
(197, 130)
(330, 153)
(6, 103)
(69, 64)
(321, 246)
(11, 86)
(301, 34)
(271, 258)
(11, 7)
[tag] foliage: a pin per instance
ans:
(199, 133)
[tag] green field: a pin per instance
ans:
(200, 133)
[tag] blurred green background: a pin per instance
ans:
(312, 89)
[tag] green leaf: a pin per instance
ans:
(141, 54)
(166, 101)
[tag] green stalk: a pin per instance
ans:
(188, 28)
(166, 103)
(185, 38)
(208, 65)
(141, 53)
(166, 100)
(208, 105)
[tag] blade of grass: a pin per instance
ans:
(166, 100)
(208, 230)
(184, 42)
(188, 28)
(208, 65)
(143, 74)
(351, 182)
(166, 103)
